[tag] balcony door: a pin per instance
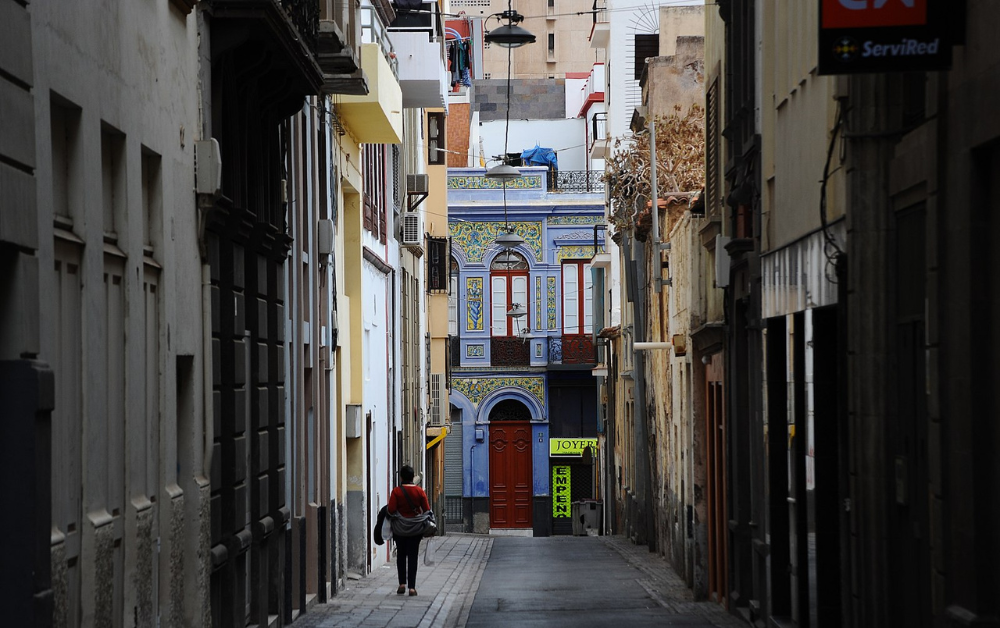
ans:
(508, 286)
(577, 313)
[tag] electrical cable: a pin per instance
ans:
(831, 249)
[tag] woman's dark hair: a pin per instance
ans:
(406, 474)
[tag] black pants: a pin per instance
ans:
(407, 549)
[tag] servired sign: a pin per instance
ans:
(884, 35)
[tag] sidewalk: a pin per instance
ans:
(446, 591)
(666, 587)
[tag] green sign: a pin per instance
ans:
(560, 493)
(571, 446)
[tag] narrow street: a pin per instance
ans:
(480, 581)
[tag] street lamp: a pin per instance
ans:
(510, 35)
(503, 172)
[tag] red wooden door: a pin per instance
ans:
(510, 475)
(715, 467)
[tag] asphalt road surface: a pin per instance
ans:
(581, 582)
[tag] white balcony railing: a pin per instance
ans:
(374, 32)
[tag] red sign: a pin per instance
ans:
(867, 13)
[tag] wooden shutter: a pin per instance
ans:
(712, 149)
(571, 299)
(498, 306)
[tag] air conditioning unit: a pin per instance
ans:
(722, 262)
(416, 184)
(439, 400)
(207, 167)
(324, 230)
(413, 233)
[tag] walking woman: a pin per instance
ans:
(407, 500)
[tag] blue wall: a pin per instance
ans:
(553, 224)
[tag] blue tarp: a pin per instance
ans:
(538, 156)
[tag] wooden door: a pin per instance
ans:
(510, 475)
(715, 468)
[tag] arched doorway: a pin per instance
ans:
(510, 465)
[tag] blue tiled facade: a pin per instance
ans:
(555, 227)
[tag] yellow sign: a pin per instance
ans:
(571, 446)
(560, 493)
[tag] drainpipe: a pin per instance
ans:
(472, 484)
(654, 210)
(208, 420)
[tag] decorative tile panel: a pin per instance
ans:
(577, 251)
(475, 237)
(581, 236)
(555, 350)
(576, 220)
(551, 289)
(477, 388)
(475, 351)
(538, 302)
(479, 182)
(474, 303)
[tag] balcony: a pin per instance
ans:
(599, 135)
(574, 349)
(375, 117)
(418, 37)
(576, 181)
(337, 48)
(600, 32)
(509, 352)
(285, 31)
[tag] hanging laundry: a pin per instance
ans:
(459, 62)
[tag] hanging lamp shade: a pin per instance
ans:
(503, 172)
(517, 311)
(510, 36)
(509, 240)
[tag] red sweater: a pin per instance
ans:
(398, 503)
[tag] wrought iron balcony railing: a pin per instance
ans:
(576, 181)
(576, 350)
(509, 352)
(302, 15)
(305, 17)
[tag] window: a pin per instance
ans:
(374, 171)
(113, 179)
(508, 286)
(152, 210)
(577, 298)
(552, 44)
(65, 121)
(438, 256)
(645, 46)
(435, 139)
(453, 300)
